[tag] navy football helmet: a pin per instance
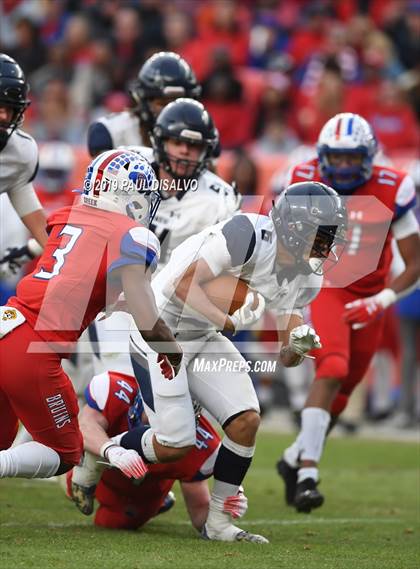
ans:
(13, 94)
(164, 75)
(188, 120)
(309, 219)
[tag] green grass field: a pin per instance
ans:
(370, 520)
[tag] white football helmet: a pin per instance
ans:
(122, 181)
(344, 133)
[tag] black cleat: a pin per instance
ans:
(307, 496)
(289, 475)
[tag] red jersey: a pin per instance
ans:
(74, 278)
(372, 207)
(113, 393)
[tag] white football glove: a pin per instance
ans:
(245, 316)
(303, 339)
(236, 506)
(128, 461)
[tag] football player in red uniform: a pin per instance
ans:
(95, 250)
(349, 319)
(113, 406)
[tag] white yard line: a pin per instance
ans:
(312, 521)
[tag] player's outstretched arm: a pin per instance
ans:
(93, 425)
(35, 223)
(197, 498)
(362, 312)
(142, 306)
(296, 339)
(409, 249)
(95, 439)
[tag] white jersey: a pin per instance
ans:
(187, 213)
(246, 247)
(111, 131)
(18, 166)
(177, 219)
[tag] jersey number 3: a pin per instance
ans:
(60, 253)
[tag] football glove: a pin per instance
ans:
(16, 257)
(128, 461)
(236, 506)
(245, 316)
(364, 311)
(303, 339)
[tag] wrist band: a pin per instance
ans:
(105, 447)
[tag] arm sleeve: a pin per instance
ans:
(22, 194)
(405, 198)
(24, 199)
(405, 225)
(99, 139)
(138, 246)
(97, 392)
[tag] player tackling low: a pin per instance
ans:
(94, 250)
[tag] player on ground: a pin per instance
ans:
(113, 406)
(349, 319)
(19, 161)
(277, 256)
(94, 250)
(165, 76)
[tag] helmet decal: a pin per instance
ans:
(122, 181)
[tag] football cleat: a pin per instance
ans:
(168, 503)
(231, 533)
(289, 475)
(83, 497)
(308, 497)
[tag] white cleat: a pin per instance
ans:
(231, 533)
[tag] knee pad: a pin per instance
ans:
(173, 408)
(176, 422)
(339, 404)
(334, 366)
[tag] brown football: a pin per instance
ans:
(227, 292)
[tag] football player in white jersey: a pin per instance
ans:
(281, 257)
(19, 161)
(184, 139)
(164, 77)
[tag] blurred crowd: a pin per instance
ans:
(272, 71)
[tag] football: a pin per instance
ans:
(226, 292)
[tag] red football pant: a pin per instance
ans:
(345, 354)
(131, 508)
(35, 389)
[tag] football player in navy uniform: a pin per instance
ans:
(163, 77)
